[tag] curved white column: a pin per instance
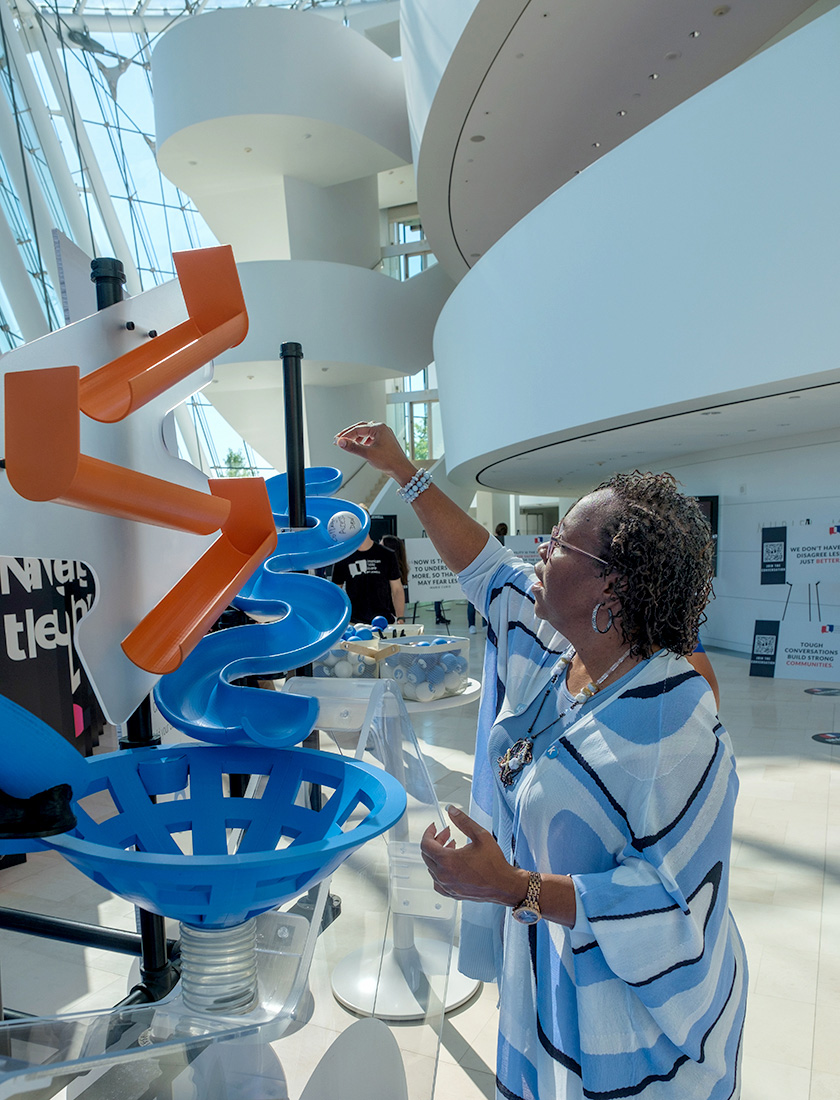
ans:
(256, 92)
(695, 264)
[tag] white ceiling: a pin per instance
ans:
(748, 425)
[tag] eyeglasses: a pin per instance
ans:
(556, 539)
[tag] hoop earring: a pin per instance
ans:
(595, 626)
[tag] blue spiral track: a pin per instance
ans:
(299, 617)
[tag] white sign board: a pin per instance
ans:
(792, 650)
(428, 578)
(526, 547)
(813, 551)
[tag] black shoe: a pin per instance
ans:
(44, 814)
(442, 622)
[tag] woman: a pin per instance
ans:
(596, 873)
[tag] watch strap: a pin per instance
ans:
(532, 897)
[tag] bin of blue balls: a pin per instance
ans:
(424, 668)
(429, 668)
(342, 663)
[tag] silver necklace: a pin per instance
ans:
(521, 752)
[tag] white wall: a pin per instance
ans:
(429, 32)
(772, 486)
(339, 224)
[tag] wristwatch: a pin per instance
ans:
(528, 910)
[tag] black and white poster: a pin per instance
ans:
(773, 555)
(41, 604)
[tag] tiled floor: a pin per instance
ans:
(785, 895)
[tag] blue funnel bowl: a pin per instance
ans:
(237, 857)
(174, 841)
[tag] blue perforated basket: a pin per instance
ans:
(212, 860)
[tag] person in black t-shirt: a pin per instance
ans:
(371, 578)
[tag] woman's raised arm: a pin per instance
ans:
(456, 536)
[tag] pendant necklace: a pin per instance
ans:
(520, 753)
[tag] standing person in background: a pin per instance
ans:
(371, 578)
(397, 546)
(595, 877)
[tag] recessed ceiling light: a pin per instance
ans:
(673, 55)
(785, 424)
(694, 34)
(621, 114)
(477, 137)
(724, 9)
(520, 56)
(596, 145)
(752, 429)
(794, 396)
(475, 255)
(653, 76)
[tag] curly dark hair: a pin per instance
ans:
(659, 543)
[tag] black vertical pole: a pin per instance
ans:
(156, 972)
(291, 354)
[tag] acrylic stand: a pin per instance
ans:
(416, 973)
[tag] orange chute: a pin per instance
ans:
(45, 405)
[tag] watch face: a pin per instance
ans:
(526, 915)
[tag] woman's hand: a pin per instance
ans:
(379, 446)
(476, 872)
(456, 536)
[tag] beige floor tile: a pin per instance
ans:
(828, 983)
(824, 1086)
(455, 1082)
(826, 1047)
(779, 1030)
(786, 973)
(766, 1080)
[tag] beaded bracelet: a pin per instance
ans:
(417, 485)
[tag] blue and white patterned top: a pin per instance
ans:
(632, 794)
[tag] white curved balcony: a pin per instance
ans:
(532, 94)
(691, 271)
(355, 327)
(250, 94)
